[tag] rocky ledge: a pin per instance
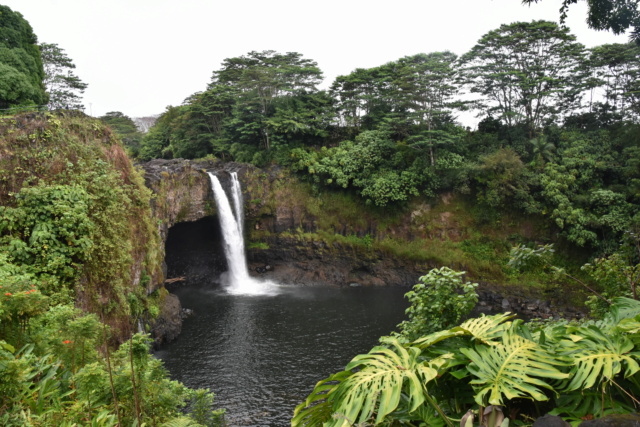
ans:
(182, 194)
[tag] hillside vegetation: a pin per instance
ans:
(79, 268)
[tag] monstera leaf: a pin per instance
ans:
(373, 385)
(596, 356)
(318, 408)
(513, 367)
(486, 329)
(383, 375)
(623, 308)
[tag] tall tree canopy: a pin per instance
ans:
(63, 86)
(21, 70)
(616, 69)
(617, 16)
(526, 73)
(411, 97)
(261, 80)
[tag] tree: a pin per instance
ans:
(126, 129)
(260, 79)
(157, 142)
(616, 16)
(412, 98)
(63, 86)
(542, 150)
(359, 96)
(617, 71)
(526, 73)
(21, 71)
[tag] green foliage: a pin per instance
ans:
(21, 71)
(373, 165)
(511, 369)
(524, 258)
(502, 179)
(616, 275)
(49, 231)
(382, 379)
(75, 225)
(125, 128)
(64, 88)
(439, 301)
(201, 409)
(580, 370)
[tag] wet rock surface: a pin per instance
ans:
(168, 324)
(183, 199)
(550, 421)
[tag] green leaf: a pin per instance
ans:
(511, 368)
(596, 356)
(486, 329)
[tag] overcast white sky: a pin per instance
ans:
(139, 56)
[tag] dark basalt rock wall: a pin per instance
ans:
(183, 200)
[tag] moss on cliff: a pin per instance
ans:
(108, 252)
(445, 230)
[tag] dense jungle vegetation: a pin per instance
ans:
(558, 138)
(559, 141)
(80, 260)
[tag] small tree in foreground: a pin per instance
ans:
(439, 301)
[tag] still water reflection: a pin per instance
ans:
(262, 355)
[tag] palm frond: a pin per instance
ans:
(513, 367)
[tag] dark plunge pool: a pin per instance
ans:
(262, 355)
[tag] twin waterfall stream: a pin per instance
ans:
(260, 346)
(236, 280)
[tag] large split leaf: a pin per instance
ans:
(486, 329)
(382, 377)
(623, 308)
(318, 407)
(513, 367)
(597, 356)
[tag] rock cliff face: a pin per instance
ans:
(183, 193)
(284, 224)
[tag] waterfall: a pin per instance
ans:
(236, 280)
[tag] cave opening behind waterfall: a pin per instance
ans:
(194, 251)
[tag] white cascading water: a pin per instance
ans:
(236, 280)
